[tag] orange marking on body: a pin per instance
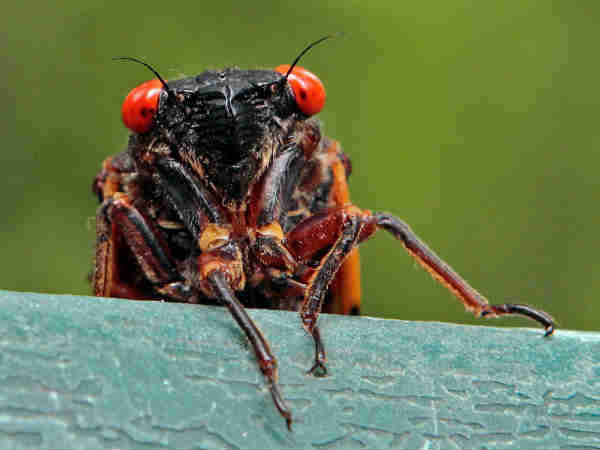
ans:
(212, 237)
(346, 286)
(111, 183)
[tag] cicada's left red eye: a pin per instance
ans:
(140, 105)
(308, 89)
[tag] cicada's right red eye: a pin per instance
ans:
(140, 105)
(308, 89)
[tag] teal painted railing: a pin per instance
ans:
(81, 372)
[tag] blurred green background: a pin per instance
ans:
(476, 122)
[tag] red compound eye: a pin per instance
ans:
(308, 89)
(139, 107)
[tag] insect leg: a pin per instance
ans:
(194, 203)
(219, 285)
(443, 273)
(342, 229)
(345, 290)
(337, 232)
(124, 238)
(315, 169)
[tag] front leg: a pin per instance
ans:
(218, 273)
(338, 231)
(131, 260)
(266, 359)
(195, 205)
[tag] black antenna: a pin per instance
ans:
(308, 47)
(148, 66)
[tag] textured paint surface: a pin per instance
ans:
(79, 372)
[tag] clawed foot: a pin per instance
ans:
(318, 369)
